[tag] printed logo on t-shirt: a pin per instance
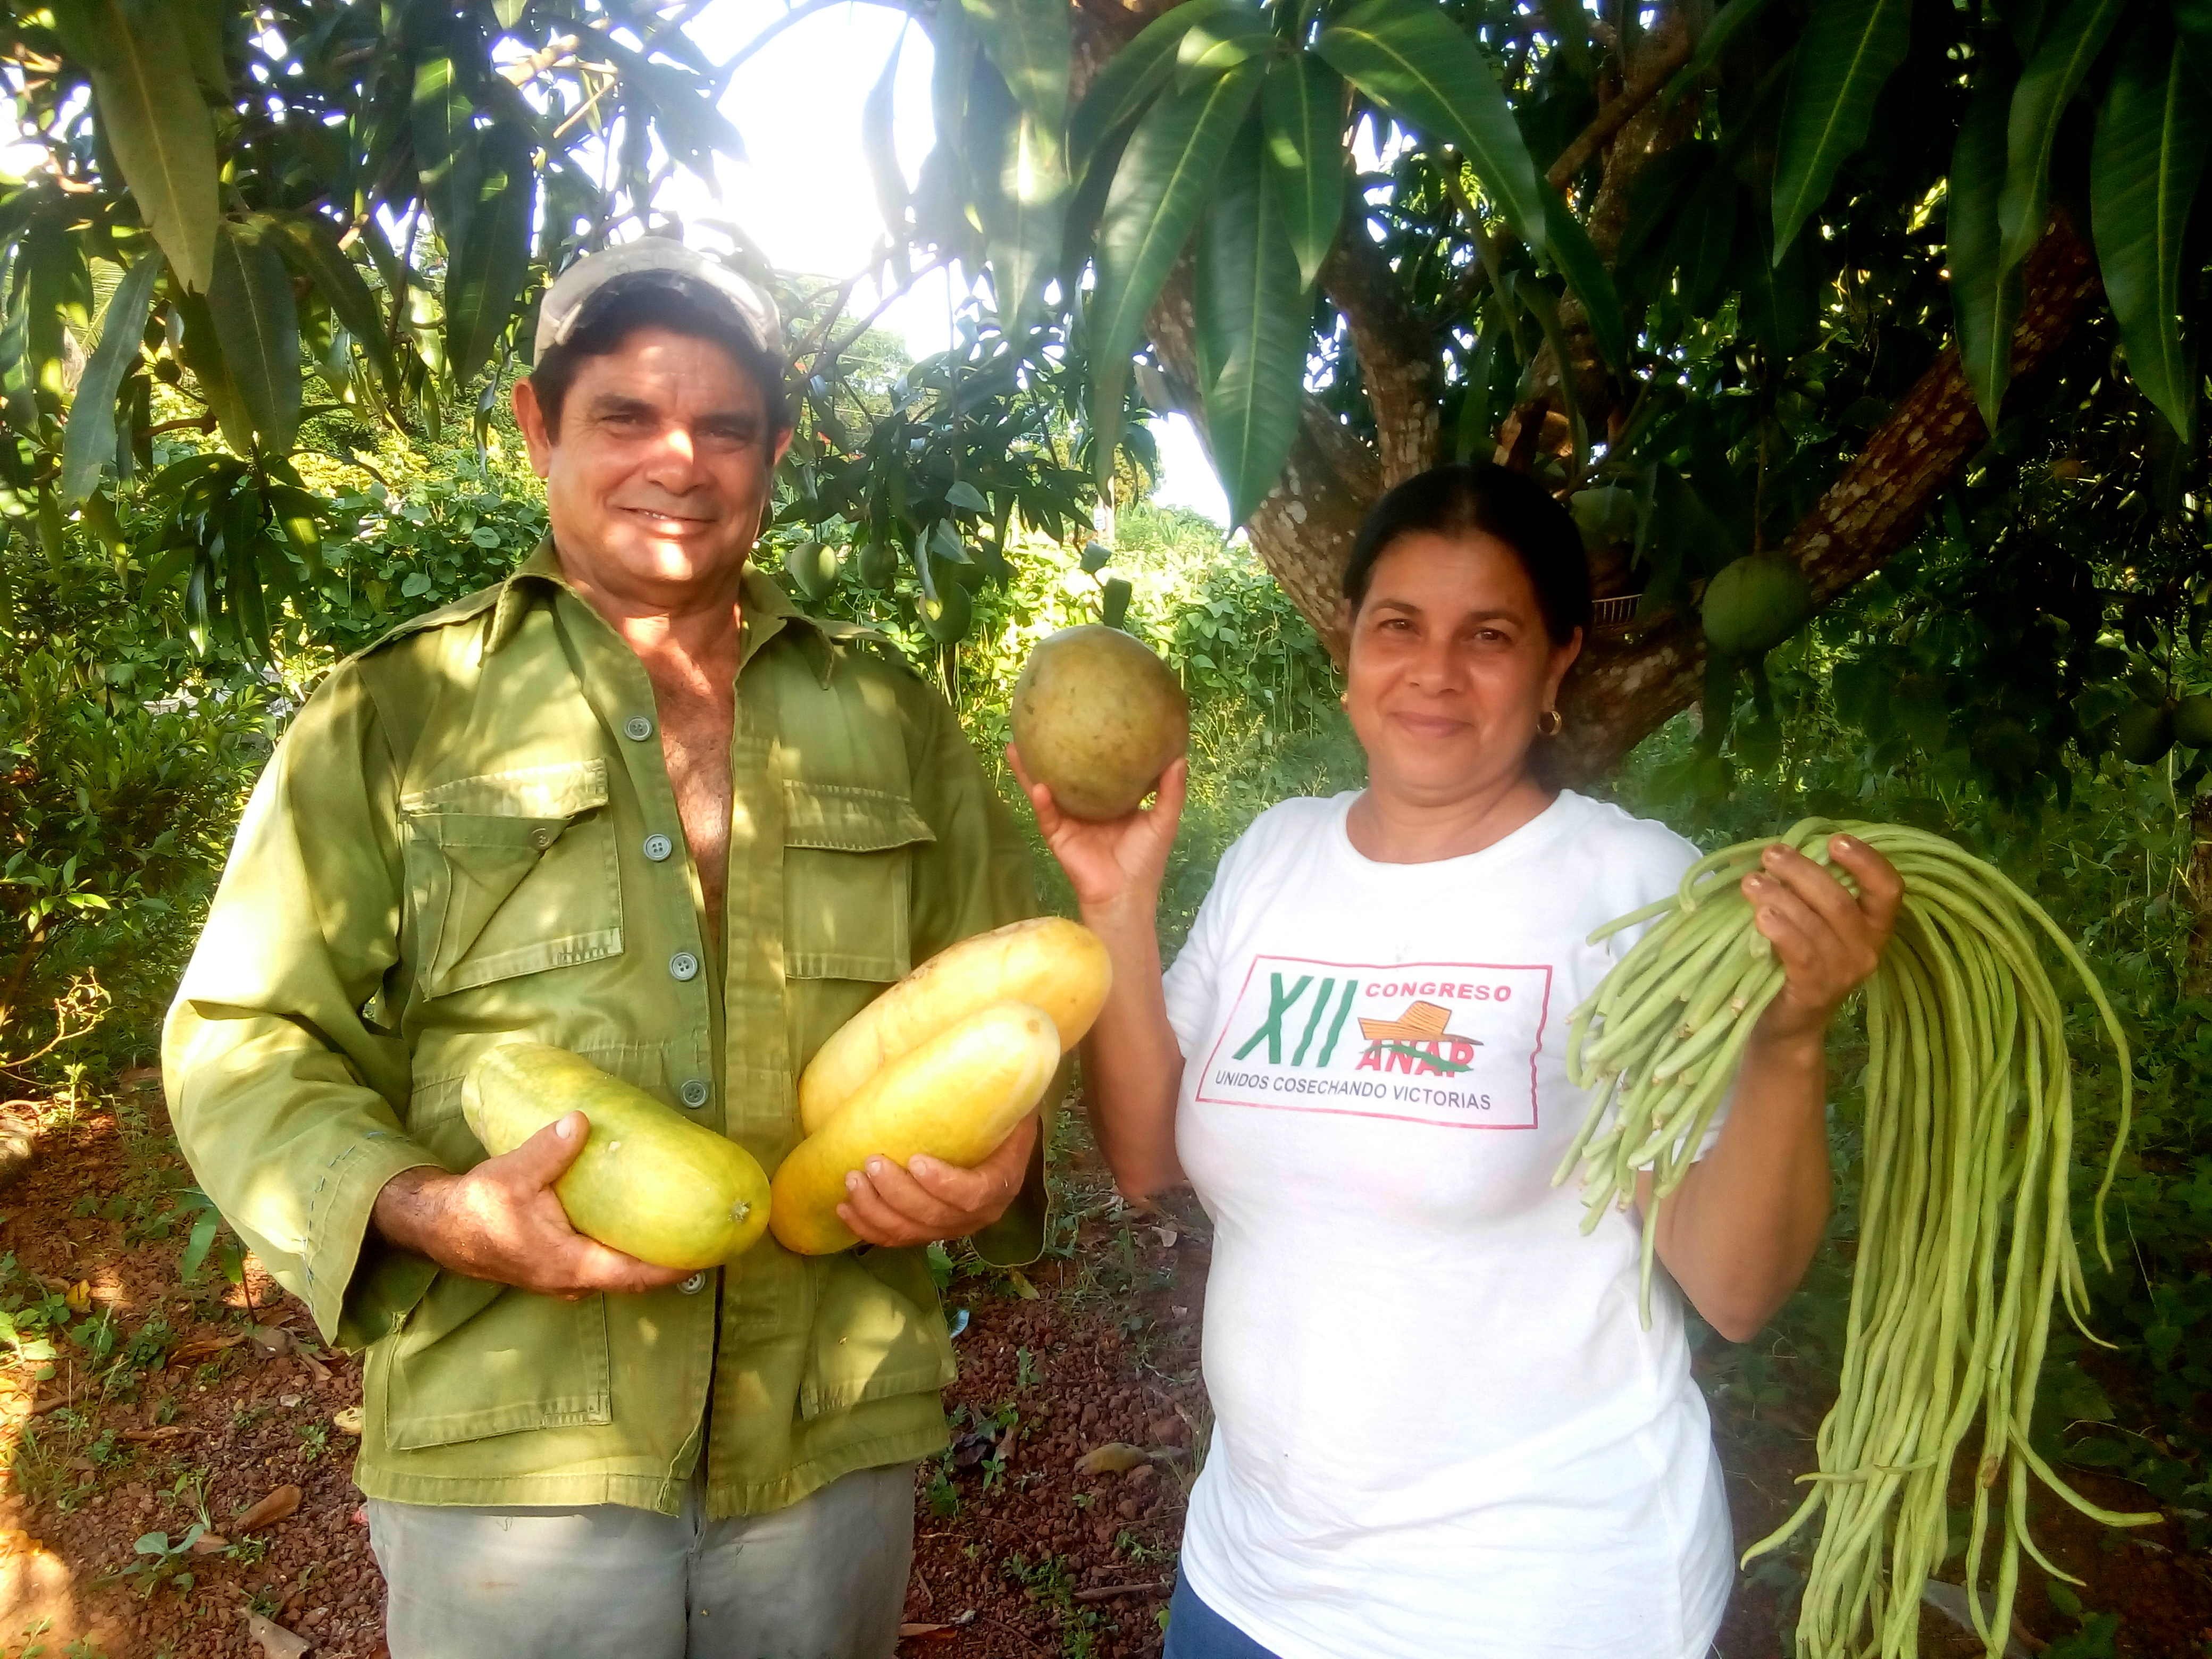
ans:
(1452, 1043)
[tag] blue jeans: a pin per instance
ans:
(1197, 1632)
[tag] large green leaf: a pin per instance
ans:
(1252, 328)
(308, 244)
(2046, 86)
(202, 23)
(203, 355)
(1027, 41)
(1017, 110)
(2194, 19)
(1720, 35)
(89, 441)
(1984, 290)
(944, 191)
(1021, 191)
(441, 123)
(1215, 45)
(151, 114)
(1425, 72)
(1302, 103)
(258, 327)
(57, 294)
(680, 107)
(1165, 176)
(1134, 75)
(1474, 433)
(1703, 245)
(877, 146)
(2143, 173)
(1545, 308)
(1778, 303)
(1577, 259)
(485, 278)
(1849, 51)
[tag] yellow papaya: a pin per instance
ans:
(649, 1183)
(956, 1097)
(1048, 962)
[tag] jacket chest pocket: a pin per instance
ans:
(847, 876)
(511, 872)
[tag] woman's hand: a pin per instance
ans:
(1119, 858)
(1828, 941)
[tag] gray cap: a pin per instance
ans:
(648, 258)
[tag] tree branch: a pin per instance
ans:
(1651, 78)
(1622, 692)
(1397, 355)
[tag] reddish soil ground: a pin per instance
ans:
(227, 1400)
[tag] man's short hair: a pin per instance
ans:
(655, 299)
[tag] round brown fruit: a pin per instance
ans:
(1097, 718)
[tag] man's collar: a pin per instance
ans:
(765, 608)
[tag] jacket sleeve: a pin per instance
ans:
(973, 878)
(286, 1097)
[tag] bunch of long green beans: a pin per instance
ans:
(1964, 1234)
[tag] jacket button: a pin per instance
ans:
(683, 965)
(541, 839)
(657, 847)
(695, 1092)
(637, 728)
(694, 1284)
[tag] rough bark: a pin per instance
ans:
(1397, 353)
(1624, 691)
(1669, 48)
(1303, 529)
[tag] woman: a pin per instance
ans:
(1441, 1431)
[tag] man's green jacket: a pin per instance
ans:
(468, 834)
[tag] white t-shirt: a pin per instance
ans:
(1441, 1431)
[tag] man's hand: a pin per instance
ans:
(503, 1222)
(930, 1199)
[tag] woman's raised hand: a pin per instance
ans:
(1118, 858)
(1828, 939)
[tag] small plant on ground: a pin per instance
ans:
(160, 1560)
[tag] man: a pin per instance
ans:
(629, 801)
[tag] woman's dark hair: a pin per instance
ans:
(626, 306)
(1455, 500)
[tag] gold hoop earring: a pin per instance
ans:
(1550, 723)
(1344, 700)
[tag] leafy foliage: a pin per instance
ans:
(232, 197)
(122, 763)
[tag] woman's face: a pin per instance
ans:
(1450, 666)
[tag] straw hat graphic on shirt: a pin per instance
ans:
(1422, 1022)
(1422, 1034)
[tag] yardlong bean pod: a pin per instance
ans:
(1964, 1232)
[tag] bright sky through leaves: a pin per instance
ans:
(803, 192)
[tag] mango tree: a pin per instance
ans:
(1754, 282)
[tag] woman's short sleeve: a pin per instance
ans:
(1192, 980)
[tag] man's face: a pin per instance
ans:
(659, 474)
